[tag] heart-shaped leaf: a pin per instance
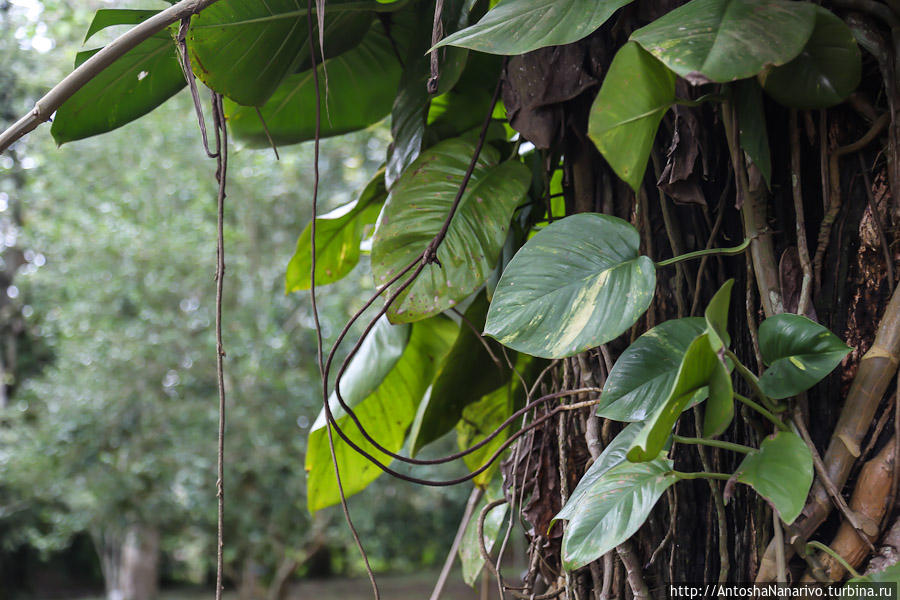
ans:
(520, 26)
(338, 235)
(781, 472)
(362, 83)
(640, 381)
(716, 316)
(799, 353)
(698, 369)
(470, 372)
(384, 384)
(614, 508)
(135, 84)
(416, 210)
(243, 49)
(636, 93)
(580, 282)
(612, 456)
(825, 72)
(726, 40)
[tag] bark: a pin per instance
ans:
(129, 559)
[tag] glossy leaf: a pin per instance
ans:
(612, 456)
(718, 411)
(889, 574)
(338, 235)
(469, 373)
(716, 315)
(135, 84)
(781, 472)
(109, 17)
(409, 112)
(416, 210)
(243, 49)
(362, 83)
(799, 353)
(640, 381)
(384, 390)
(580, 282)
(480, 419)
(825, 73)
(636, 93)
(520, 26)
(698, 370)
(469, 548)
(614, 508)
(754, 133)
(726, 40)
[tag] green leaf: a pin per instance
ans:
(480, 419)
(716, 316)
(361, 87)
(612, 456)
(614, 508)
(781, 472)
(469, 548)
(698, 369)
(468, 373)
(416, 210)
(719, 409)
(409, 112)
(726, 40)
(108, 17)
(520, 26)
(799, 353)
(890, 574)
(636, 93)
(338, 235)
(135, 84)
(752, 122)
(384, 391)
(640, 381)
(243, 49)
(580, 282)
(827, 70)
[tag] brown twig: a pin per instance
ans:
(800, 220)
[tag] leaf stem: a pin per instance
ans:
(714, 443)
(708, 252)
(761, 410)
(701, 475)
(750, 378)
(834, 555)
(700, 100)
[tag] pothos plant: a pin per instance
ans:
(503, 252)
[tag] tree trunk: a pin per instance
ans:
(129, 559)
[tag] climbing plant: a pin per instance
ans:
(569, 184)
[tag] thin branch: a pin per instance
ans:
(95, 65)
(800, 220)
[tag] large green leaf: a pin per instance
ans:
(826, 71)
(700, 367)
(754, 132)
(799, 353)
(468, 373)
(108, 17)
(781, 472)
(361, 87)
(469, 549)
(612, 456)
(520, 26)
(139, 81)
(640, 381)
(478, 420)
(580, 282)
(613, 509)
(338, 235)
(384, 390)
(416, 210)
(727, 40)
(889, 574)
(636, 93)
(243, 49)
(409, 112)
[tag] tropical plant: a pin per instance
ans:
(541, 271)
